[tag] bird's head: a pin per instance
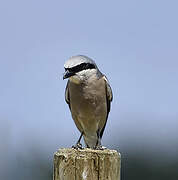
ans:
(79, 68)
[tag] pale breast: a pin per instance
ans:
(88, 101)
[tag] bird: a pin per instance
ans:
(88, 95)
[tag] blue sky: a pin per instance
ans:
(135, 43)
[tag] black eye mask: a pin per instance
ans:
(81, 67)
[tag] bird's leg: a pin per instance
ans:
(98, 144)
(78, 144)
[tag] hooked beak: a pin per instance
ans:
(68, 74)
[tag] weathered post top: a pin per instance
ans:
(86, 164)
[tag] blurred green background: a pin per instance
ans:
(135, 43)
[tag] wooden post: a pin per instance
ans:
(86, 164)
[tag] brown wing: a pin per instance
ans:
(109, 97)
(67, 96)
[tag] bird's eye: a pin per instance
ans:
(67, 69)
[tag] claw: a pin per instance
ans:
(77, 146)
(100, 147)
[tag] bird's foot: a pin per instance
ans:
(100, 147)
(77, 146)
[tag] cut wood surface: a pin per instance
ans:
(86, 164)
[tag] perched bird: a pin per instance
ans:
(89, 96)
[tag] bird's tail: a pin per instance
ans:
(91, 140)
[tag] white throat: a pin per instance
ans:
(83, 75)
